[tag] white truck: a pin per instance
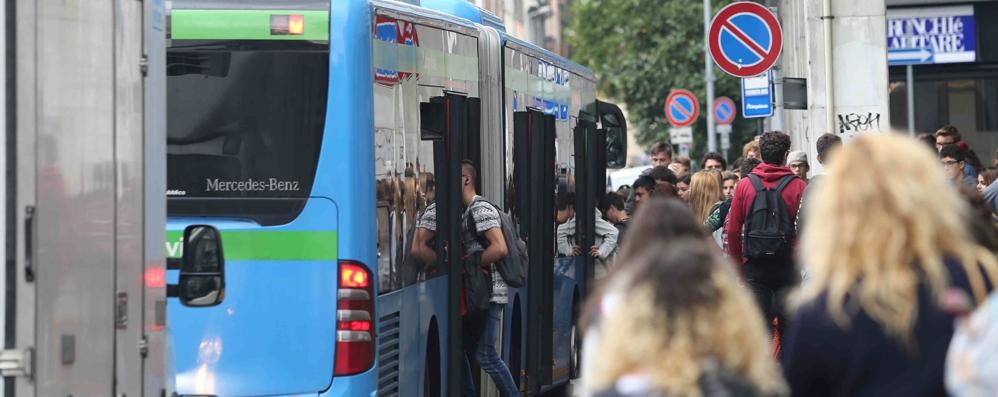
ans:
(83, 155)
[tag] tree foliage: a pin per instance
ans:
(642, 49)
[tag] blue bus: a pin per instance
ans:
(312, 134)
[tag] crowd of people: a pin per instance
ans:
(770, 279)
(766, 279)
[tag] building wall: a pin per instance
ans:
(858, 70)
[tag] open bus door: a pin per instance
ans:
(586, 192)
(597, 147)
(445, 120)
(534, 174)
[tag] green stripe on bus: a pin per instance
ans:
(258, 245)
(243, 25)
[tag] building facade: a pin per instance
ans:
(837, 48)
(541, 22)
(953, 49)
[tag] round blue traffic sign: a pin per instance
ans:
(681, 108)
(745, 39)
(724, 110)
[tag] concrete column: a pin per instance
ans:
(859, 69)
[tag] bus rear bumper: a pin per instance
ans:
(354, 385)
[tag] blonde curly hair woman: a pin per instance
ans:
(677, 323)
(886, 239)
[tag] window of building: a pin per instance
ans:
(966, 103)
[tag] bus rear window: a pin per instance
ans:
(244, 129)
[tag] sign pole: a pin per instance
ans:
(709, 77)
(911, 98)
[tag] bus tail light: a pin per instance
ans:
(354, 319)
(287, 25)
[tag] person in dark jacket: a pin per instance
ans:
(954, 160)
(882, 251)
(770, 279)
(660, 175)
(950, 135)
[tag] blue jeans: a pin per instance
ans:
(489, 360)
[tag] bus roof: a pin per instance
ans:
(548, 56)
(466, 10)
(431, 16)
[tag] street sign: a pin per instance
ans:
(757, 97)
(909, 56)
(745, 39)
(930, 35)
(681, 136)
(724, 110)
(681, 108)
(725, 132)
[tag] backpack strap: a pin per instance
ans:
(472, 225)
(756, 182)
(784, 181)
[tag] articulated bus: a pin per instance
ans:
(312, 134)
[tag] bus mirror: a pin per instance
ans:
(202, 272)
(612, 120)
(616, 147)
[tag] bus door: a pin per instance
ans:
(534, 171)
(473, 140)
(447, 121)
(587, 192)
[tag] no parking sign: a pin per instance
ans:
(724, 110)
(745, 39)
(681, 108)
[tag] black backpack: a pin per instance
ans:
(512, 268)
(768, 228)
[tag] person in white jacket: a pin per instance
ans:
(605, 243)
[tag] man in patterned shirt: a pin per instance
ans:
(484, 245)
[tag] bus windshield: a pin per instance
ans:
(244, 128)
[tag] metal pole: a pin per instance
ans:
(911, 98)
(826, 23)
(709, 77)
